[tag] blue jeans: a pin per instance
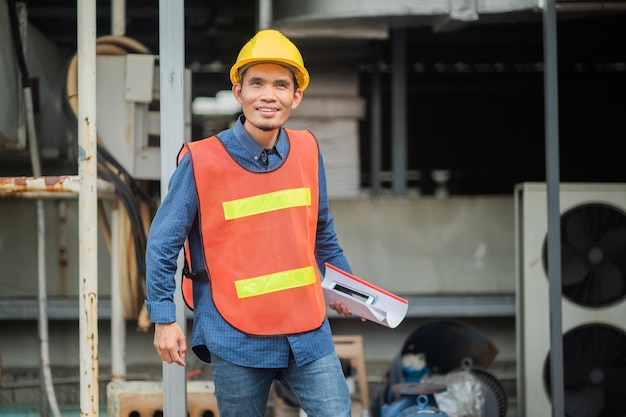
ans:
(319, 386)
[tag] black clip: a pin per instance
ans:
(198, 276)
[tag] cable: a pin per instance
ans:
(128, 196)
(41, 214)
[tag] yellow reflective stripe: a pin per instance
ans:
(278, 281)
(263, 203)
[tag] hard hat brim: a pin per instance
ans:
(302, 75)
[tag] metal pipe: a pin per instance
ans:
(590, 6)
(118, 324)
(42, 297)
(42, 322)
(118, 17)
(265, 14)
(68, 380)
(376, 123)
(50, 186)
(398, 111)
(550, 58)
(172, 99)
(87, 209)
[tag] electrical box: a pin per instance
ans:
(128, 116)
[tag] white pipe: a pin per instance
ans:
(118, 17)
(118, 324)
(44, 347)
(87, 209)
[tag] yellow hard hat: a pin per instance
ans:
(271, 46)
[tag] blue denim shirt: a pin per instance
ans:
(177, 218)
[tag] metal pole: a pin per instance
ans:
(265, 14)
(87, 208)
(172, 77)
(376, 124)
(398, 111)
(42, 296)
(118, 324)
(554, 225)
(118, 17)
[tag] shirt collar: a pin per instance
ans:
(254, 149)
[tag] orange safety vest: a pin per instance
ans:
(258, 234)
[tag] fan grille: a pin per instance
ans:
(594, 371)
(593, 255)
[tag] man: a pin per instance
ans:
(252, 203)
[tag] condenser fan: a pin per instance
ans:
(593, 255)
(594, 371)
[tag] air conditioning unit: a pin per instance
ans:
(593, 299)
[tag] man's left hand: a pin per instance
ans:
(341, 308)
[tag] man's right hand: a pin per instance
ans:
(169, 342)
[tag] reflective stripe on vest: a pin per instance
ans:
(277, 281)
(263, 203)
(258, 231)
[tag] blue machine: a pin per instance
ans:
(413, 399)
(438, 347)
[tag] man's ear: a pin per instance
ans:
(297, 98)
(237, 92)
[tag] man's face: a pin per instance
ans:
(267, 95)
